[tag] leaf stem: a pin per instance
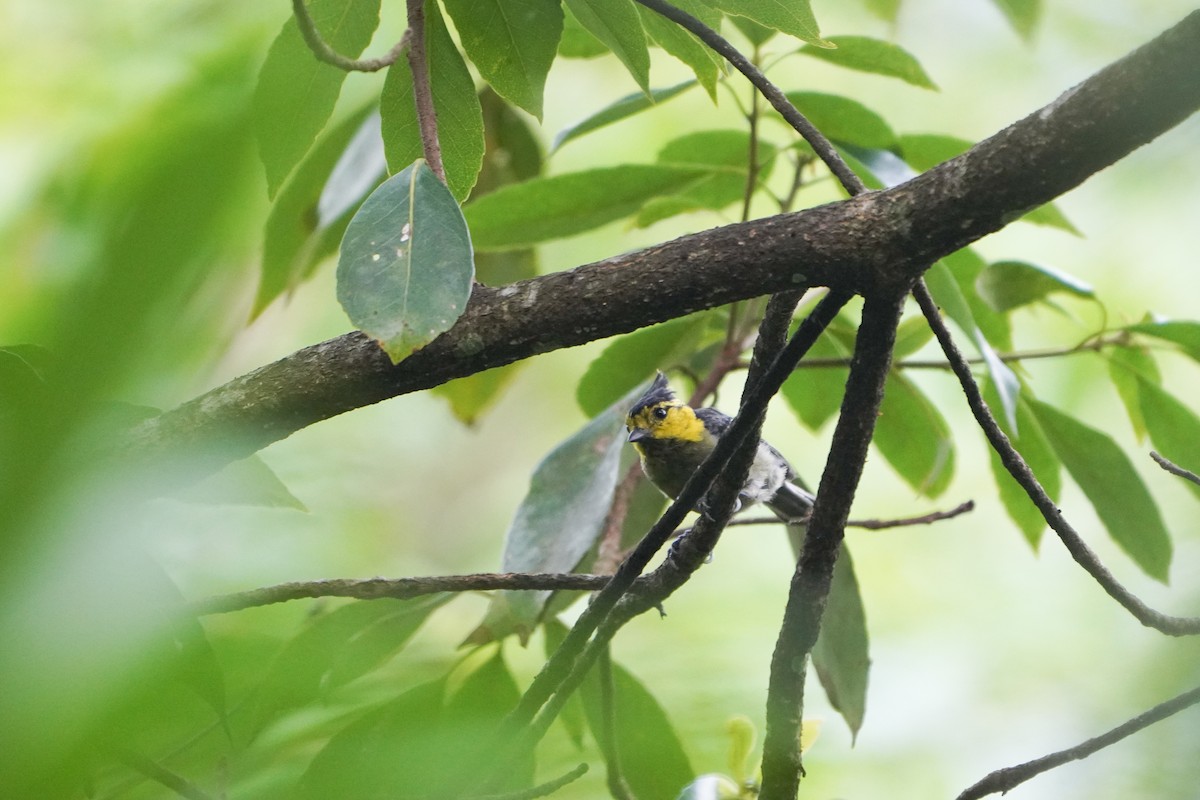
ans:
(324, 52)
(418, 62)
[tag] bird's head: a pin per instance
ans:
(657, 414)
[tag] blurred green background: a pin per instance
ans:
(984, 652)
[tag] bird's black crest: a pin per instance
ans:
(659, 392)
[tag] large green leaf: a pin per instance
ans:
(914, 437)
(405, 269)
(627, 361)
(248, 481)
(844, 120)
(469, 397)
(623, 108)
(1113, 486)
(841, 655)
(459, 114)
(337, 647)
(1126, 365)
(297, 233)
(794, 18)
(876, 56)
(296, 93)
(653, 762)
(1038, 455)
(560, 518)
(616, 23)
(512, 43)
(542, 209)
(815, 393)
(1005, 285)
(1174, 428)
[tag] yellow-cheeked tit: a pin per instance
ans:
(673, 439)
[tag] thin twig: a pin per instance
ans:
(1002, 780)
(1175, 469)
(1016, 466)
(323, 52)
(422, 89)
(396, 588)
(156, 772)
(541, 790)
(821, 145)
(872, 524)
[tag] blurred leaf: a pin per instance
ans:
(459, 114)
(1023, 15)
(876, 56)
(297, 233)
(878, 168)
(711, 786)
(1038, 455)
(621, 109)
(296, 93)
(543, 209)
(335, 648)
(559, 518)
(758, 35)
(946, 290)
(1125, 366)
(815, 393)
(844, 120)
(1113, 486)
(470, 396)
(914, 437)
(248, 482)
(512, 43)
(924, 151)
(627, 361)
(405, 269)
(1174, 428)
(571, 717)
(794, 18)
(653, 762)
(841, 656)
(1051, 216)
(912, 334)
(359, 169)
(886, 10)
(1005, 285)
(683, 45)
(1183, 333)
(616, 23)
(965, 267)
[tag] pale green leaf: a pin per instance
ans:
(844, 120)
(841, 655)
(876, 56)
(405, 269)
(1006, 285)
(914, 437)
(794, 17)
(1183, 333)
(616, 23)
(1038, 456)
(1023, 15)
(1174, 428)
(626, 107)
(682, 44)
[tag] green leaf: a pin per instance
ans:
(459, 114)
(405, 269)
(844, 120)
(571, 717)
(912, 334)
(795, 18)
(576, 42)
(653, 762)
(841, 655)
(815, 393)
(1182, 333)
(616, 23)
(512, 43)
(627, 361)
(248, 482)
(1038, 455)
(296, 93)
(1125, 366)
(343, 644)
(758, 35)
(682, 44)
(1023, 15)
(1005, 285)
(1174, 428)
(542, 209)
(1113, 486)
(914, 437)
(876, 56)
(469, 397)
(624, 108)
(1051, 216)
(560, 517)
(886, 10)
(924, 151)
(297, 235)
(946, 290)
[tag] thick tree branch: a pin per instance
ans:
(875, 240)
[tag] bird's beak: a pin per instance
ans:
(637, 434)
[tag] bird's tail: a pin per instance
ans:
(791, 503)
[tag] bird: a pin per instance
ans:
(672, 439)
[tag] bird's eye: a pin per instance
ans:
(660, 413)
